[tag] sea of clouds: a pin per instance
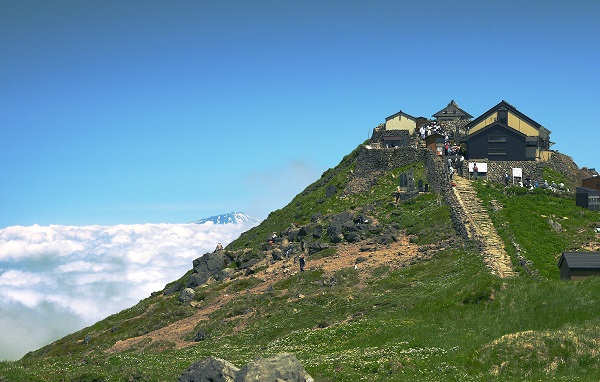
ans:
(55, 280)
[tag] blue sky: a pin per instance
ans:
(124, 112)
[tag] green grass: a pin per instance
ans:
(445, 319)
(442, 319)
(524, 219)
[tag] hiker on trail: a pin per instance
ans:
(397, 194)
(289, 250)
(451, 172)
(475, 171)
(219, 247)
(506, 179)
(302, 262)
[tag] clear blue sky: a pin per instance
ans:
(169, 111)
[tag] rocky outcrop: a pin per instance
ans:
(210, 370)
(207, 265)
(282, 368)
(186, 295)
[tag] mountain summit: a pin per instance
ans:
(229, 218)
(456, 279)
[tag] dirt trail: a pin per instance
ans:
(395, 255)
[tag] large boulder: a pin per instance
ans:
(210, 370)
(282, 368)
(279, 368)
(334, 231)
(186, 295)
(206, 266)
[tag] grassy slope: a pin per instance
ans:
(444, 319)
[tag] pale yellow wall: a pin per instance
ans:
(400, 122)
(545, 155)
(522, 126)
(513, 121)
(483, 123)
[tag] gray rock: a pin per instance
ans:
(210, 370)
(330, 191)
(206, 266)
(316, 247)
(173, 289)
(334, 231)
(186, 295)
(200, 336)
(281, 368)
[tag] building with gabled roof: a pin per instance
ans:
(401, 121)
(579, 265)
(452, 112)
(503, 133)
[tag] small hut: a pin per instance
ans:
(579, 265)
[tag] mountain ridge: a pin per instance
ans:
(392, 291)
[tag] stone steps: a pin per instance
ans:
(482, 229)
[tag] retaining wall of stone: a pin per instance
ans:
(370, 164)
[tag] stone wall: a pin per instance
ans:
(560, 163)
(377, 139)
(497, 169)
(370, 164)
(438, 181)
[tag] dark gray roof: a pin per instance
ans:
(510, 107)
(452, 110)
(591, 191)
(400, 113)
(581, 260)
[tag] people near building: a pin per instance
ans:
(219, 247)
(506, 179)
(475, 171)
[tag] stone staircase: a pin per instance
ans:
(481, 229)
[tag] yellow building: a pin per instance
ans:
(401, 121)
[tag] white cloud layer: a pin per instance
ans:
(55, 280)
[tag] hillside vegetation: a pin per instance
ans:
(401, 298)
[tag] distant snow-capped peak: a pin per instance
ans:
(230, 218)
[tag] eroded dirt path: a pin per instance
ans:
(396, 255)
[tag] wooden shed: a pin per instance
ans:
(435, 143)
(579, 265)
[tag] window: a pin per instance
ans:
(503, 116)
(531, 141)
(496, 139)
(494, 151)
